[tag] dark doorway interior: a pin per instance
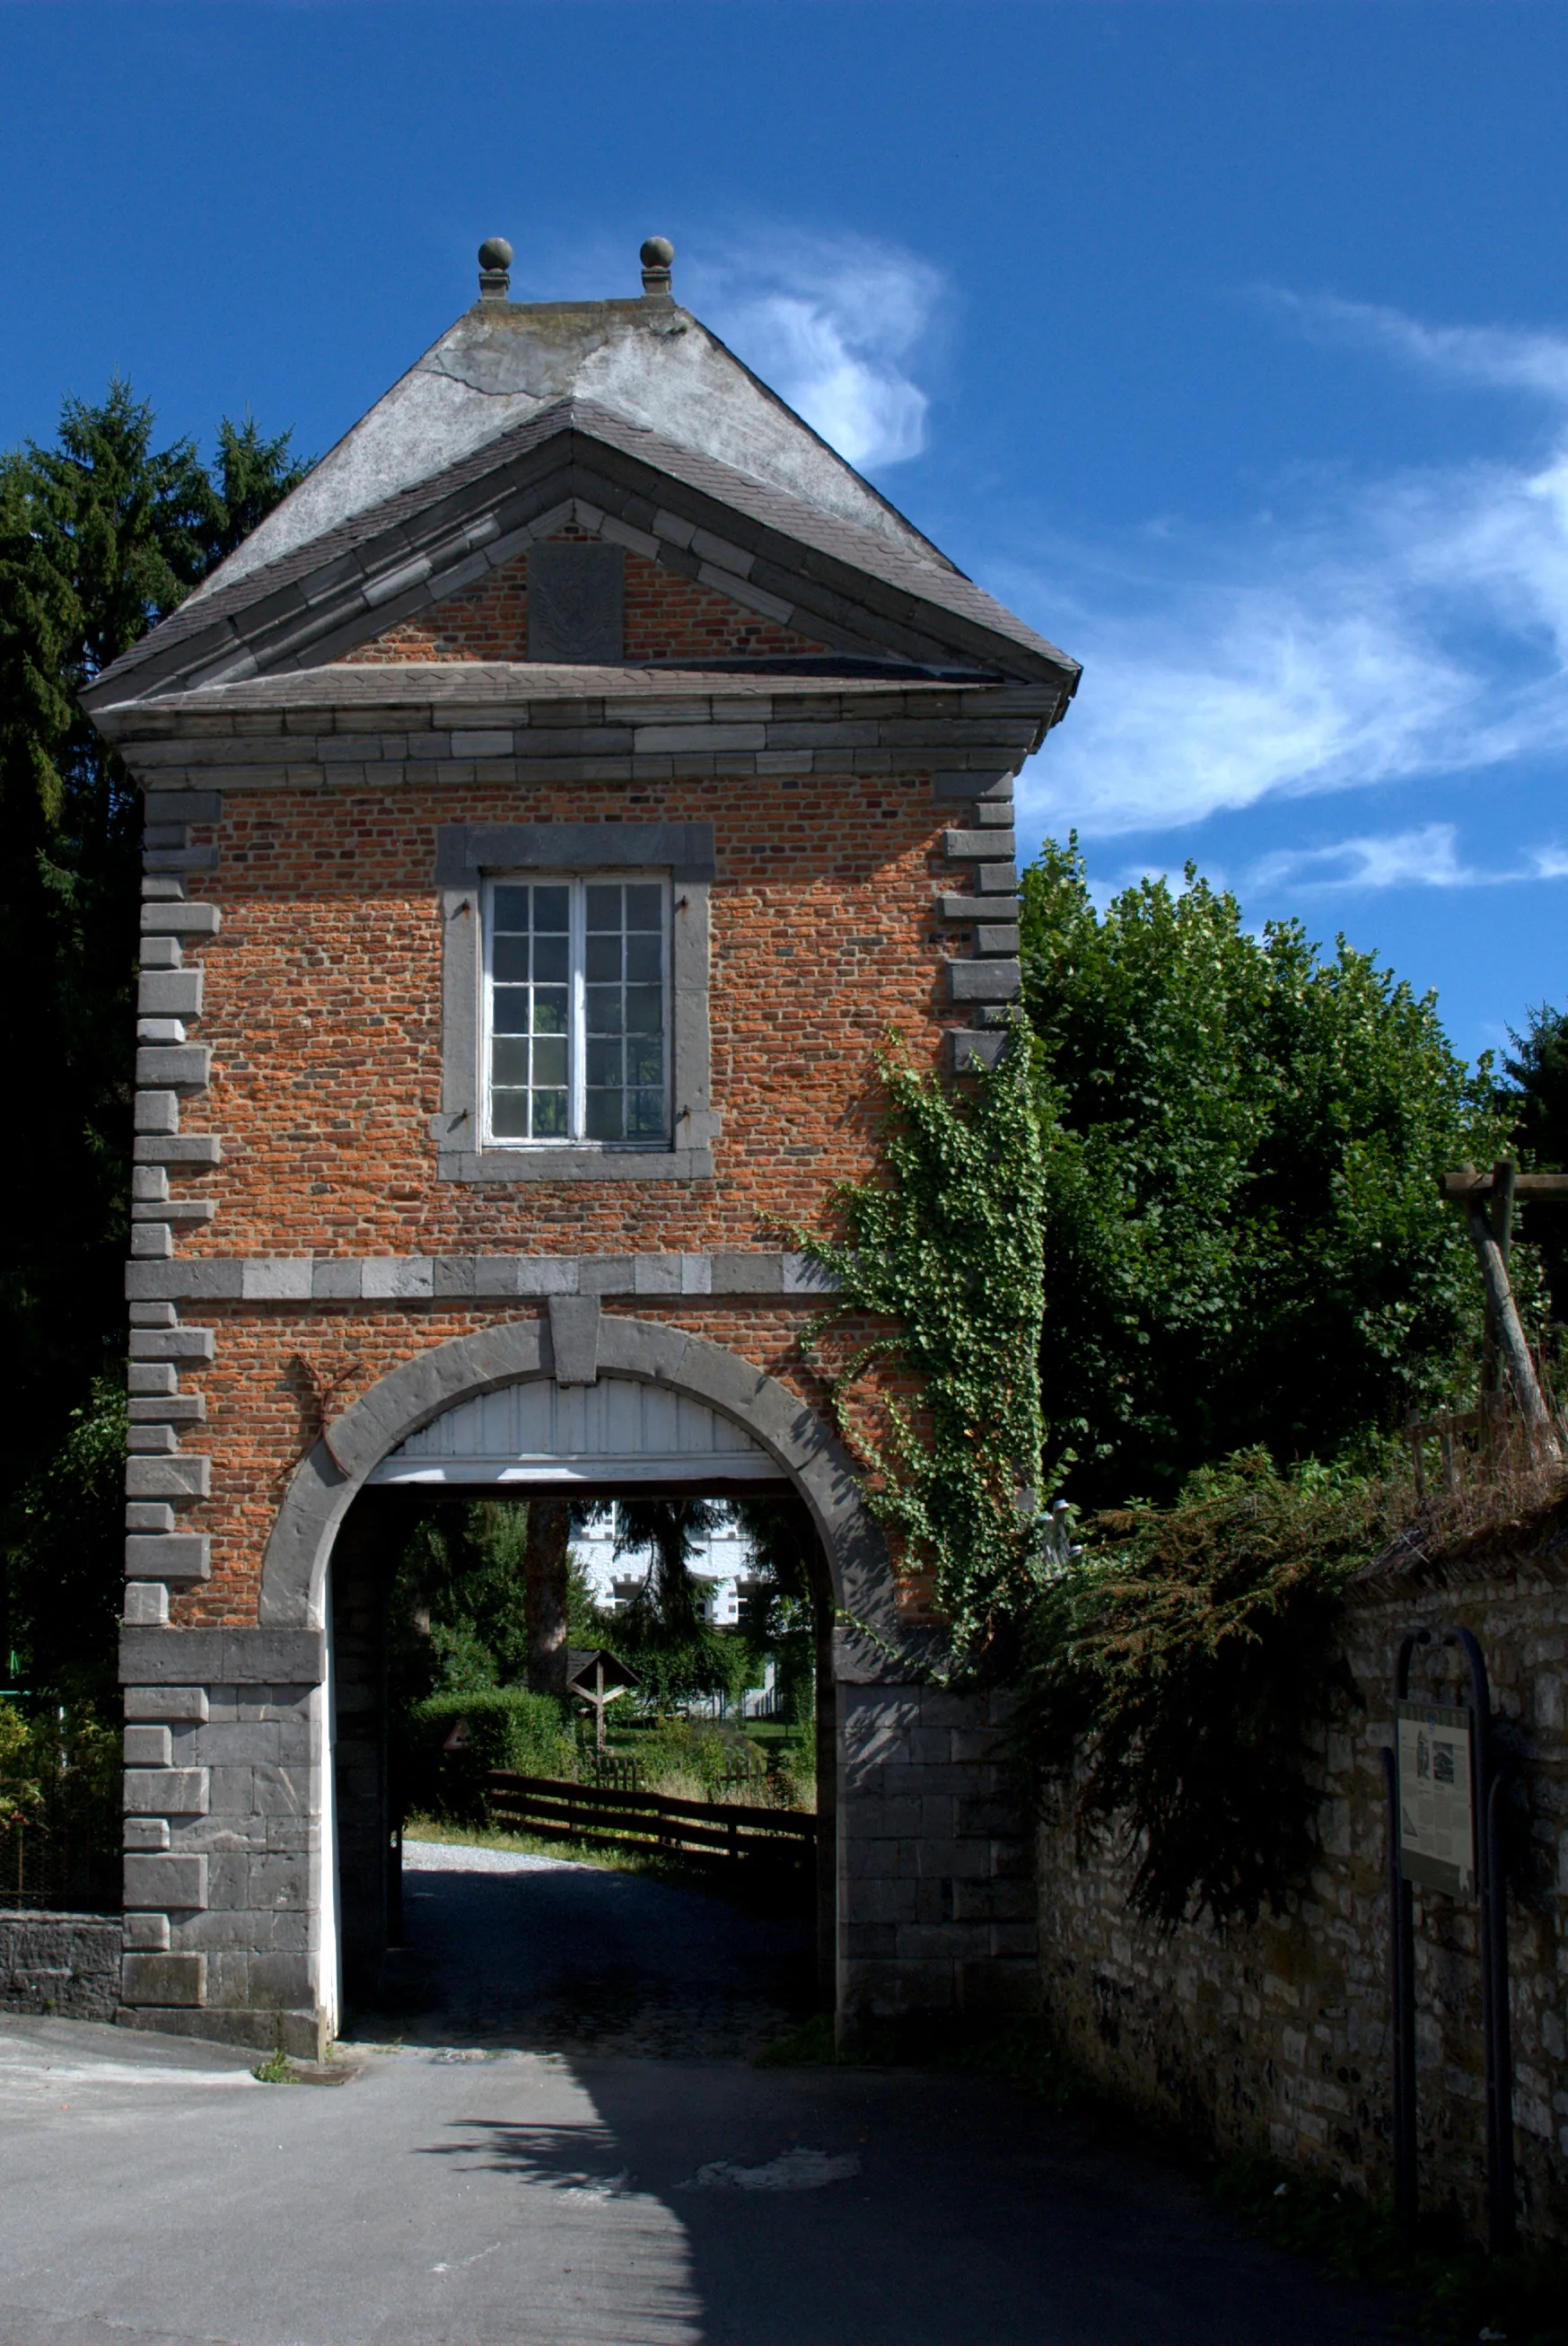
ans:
(461, 1947)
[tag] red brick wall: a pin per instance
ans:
(324, 1015)
(669, 618)
(322, 1008)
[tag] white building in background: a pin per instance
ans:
(720, 1565)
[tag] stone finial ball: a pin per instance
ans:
(495, 253)
(658, 252)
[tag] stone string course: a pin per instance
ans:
(1277, 2038)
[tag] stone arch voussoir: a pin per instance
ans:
(808, 1453)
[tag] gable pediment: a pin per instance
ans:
(577, 469)
(581, 600)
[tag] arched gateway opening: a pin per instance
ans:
(579, 1404)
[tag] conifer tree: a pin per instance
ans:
(100, 536)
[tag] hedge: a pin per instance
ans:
(507, 1728)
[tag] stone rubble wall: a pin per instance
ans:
(65, 1964)
(1275, 2038)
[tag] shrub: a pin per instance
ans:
(681, 1753)
(507, 1728)
(60, 1785)
(1177, 1670)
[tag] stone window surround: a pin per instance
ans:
(468, 854)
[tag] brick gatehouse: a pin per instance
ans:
(549, 808)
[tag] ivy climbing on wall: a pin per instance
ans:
(946, 1240)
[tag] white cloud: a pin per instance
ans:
(1427, 857)
(829, 323)
(1416, 626)
(1484, 354)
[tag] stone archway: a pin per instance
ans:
(347, 1470)
(805, 1450)
(932, 1897)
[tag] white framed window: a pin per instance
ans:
(576, 1041)
(633, 1102)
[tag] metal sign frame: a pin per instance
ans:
(1431, 1854)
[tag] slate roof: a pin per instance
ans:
(651, 363)
(348, 555)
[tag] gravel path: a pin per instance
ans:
(453, 1857)
(546, 1954)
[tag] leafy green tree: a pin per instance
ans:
(662, 1633)
(1245, 1241)
(100, 536)
(1537, 1102)
(64, 1579)
(459, 1614)
(778, 1612)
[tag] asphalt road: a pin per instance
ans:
(153, 2194)
(474, 2187)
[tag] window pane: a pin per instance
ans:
(645, 1009)
(550, 1059)
(604, 1009)
(550, 960)
(509, 1116)
(604, 960)
(644, 1059)
(614, 1064)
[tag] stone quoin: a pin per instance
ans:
(549, 808)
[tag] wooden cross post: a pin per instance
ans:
(1491, 1235)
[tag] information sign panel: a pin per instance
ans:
(1437, 1820)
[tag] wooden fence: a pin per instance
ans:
(1483, 1444)
(719, 1832)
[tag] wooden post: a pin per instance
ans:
(1504, 1173)
(1504, 1316)
(1445, 1445)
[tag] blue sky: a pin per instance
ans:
(1228, 342)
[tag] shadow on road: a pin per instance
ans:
(900, 2208)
